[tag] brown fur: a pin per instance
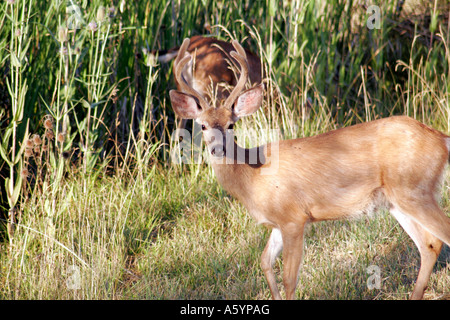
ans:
(212, 75)
(395, 162)
(210, 56)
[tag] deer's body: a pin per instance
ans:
(395, 162)
(331, 176)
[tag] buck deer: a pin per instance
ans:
(209, 72)
(395, 162)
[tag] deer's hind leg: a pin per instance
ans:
(429, 248)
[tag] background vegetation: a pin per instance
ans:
(93, 208)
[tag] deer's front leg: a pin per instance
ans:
(292, 257)
(270, 254)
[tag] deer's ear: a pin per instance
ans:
(249, 101)
(184, 105)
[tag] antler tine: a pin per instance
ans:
(182, 59)
(182, 51)
(241, 58)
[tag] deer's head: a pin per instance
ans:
(216, 121)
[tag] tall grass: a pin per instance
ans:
(93, 207)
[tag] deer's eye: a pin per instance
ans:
(231, 126)
(203, 127)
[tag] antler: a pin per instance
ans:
(182, 59)
(241, 58)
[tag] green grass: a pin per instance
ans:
(178, 237)
(96, 209)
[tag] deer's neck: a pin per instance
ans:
(237, 170)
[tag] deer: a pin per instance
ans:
(396, 163)
(211, 73)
